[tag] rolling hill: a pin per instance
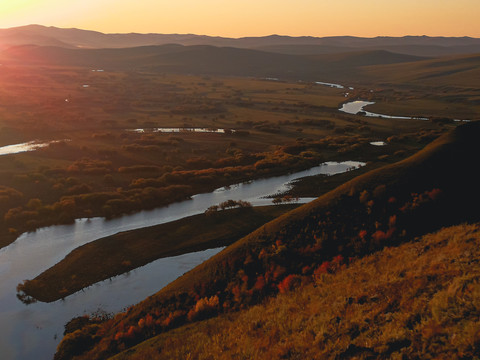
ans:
(386, 207)
(205, 59)
(459, 70)
(76, 38)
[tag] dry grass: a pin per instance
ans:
(417, 301)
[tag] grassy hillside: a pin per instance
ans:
(455, 70)
(385, 207)
(420, 300)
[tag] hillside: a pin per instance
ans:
(205, 59)
(454, 70)
(436, 187)
(420, 300)
(77, 38)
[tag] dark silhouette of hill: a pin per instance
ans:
(204, 59)
(76, 38)
(388, 206)
(416, 50)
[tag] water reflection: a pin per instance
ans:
(183, 129)
(356, 107)
(24, 147)
(378, 143)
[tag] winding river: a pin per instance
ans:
(33, 331)
(354, 107)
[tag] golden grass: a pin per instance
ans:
(420, 300)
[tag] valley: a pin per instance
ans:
(122, 160)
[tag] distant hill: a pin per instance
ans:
(206, 59)
(414, 49)
(303, 45)
(454, 70)
(437, 187)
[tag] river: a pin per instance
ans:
(33, 331)
(354, 107)
(24, 147)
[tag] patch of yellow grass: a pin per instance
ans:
(419, 300)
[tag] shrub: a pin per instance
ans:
(289, 283)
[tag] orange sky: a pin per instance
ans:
(252, 18)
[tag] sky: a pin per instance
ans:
(235, 18)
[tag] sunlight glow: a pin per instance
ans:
(252, 18)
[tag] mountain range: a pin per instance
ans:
(304, 45)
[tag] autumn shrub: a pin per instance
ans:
(205, 307)
(289, 283)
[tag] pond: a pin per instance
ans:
(34, 330)
(378, 143)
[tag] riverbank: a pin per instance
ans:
(125, 251)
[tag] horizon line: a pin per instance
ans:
(233, 37)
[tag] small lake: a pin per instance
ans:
(182, 129)
(24, 147)
(357, 106)
(34, 330)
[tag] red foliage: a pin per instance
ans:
(171, 318)
(262, 254)
(434, 193)
(336, 263)
(289, 283)
(306, 269)
(392, 221)
(310, 249)
(278, 272)
(131, 332)
(323, 268)
(259, 283)
(362, 234)
(380, 235)
(329, 266)
(149, 322)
